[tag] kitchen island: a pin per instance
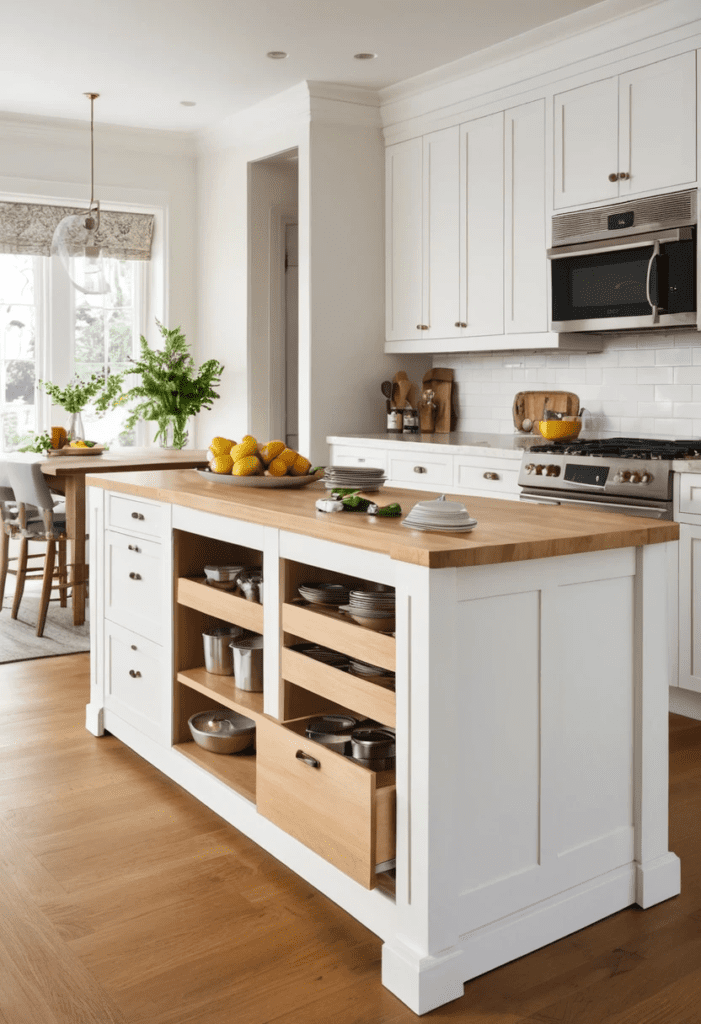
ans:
(529, 797)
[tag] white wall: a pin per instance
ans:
(649, 386)
(134, 168)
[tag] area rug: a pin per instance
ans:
(18, 639)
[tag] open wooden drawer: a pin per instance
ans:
(341, 810)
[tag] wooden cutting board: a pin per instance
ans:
(530, 405)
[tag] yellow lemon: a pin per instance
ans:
(288, 457)
(277, 467)
(271, 450)
(221, 463)
(247, 446)
(249, 465)
(301, 466)
(221, 446)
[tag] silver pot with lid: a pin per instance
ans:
(332, 731)
(374, 748)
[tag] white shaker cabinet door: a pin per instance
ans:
(441, 234)
(403, 255)
(586, 144)
(658, 125)
(690, 607)
(525, 265)
(482, 225)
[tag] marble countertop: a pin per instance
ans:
(509, 446)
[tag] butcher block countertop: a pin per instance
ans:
(507, 531)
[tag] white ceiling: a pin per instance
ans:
(145, 56)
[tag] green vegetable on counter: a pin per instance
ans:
(386, 511)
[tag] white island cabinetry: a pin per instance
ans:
(526, 802)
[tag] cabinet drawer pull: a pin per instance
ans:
(133, 647)
(422, 327)
(613, 177)
(311, 761)
(137, 515)
(134, 576)
(491, 476)
(133, 547)
(419, 469)
(624, 175)
(134, 674)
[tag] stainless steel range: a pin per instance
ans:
(622, 474)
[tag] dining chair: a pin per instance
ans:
(37, 521)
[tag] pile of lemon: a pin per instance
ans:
(249, 458)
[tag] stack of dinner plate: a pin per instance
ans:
(323, 654)
(440, 516)
(324, 593)
(372, 608)
(362, 478)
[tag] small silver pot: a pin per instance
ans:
(248, 663)
(332, 730)
(217, 655)
(371, 744)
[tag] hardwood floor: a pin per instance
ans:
(124, 901)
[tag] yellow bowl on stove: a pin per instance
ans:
(554, 430)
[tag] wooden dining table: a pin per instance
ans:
(66, 474)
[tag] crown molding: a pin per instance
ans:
(593, 37)
(69, 133)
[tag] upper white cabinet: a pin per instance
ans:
(441, 236)
(404, 246)
(632, 133)
(525, 263)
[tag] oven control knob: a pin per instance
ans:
(539, 470)
(635, 478)
(553, 470)
(646, 478)
(530, 467)
(622, 476)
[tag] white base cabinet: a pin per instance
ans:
(527, 801)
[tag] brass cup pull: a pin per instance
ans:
(422, 327)
(460, 323)
(624, 175)
(133, 674)
(137, 515)
(311, 761)
(419, 469)
(133, 547)
(491, 476)
(134, 576)
(613, 177)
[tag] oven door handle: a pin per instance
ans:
(647, 512)
(653, 305)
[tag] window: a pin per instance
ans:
(103, 332)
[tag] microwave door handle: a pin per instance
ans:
(653, 305)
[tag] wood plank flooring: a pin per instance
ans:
(124, 901)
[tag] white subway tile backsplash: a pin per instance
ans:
(639, 384)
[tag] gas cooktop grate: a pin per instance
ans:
(624, 448)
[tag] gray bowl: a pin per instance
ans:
(222, 732)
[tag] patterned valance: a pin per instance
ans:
(27, 229)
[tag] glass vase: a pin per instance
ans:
(172, 434)
(75, 431)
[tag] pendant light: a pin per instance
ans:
(74, 239)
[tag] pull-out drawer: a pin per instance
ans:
(348, 456)
(341, 810)
(488, 476)
(147, 519)
(135, 588)
(137, 682)
(690, 493)
(419, 469)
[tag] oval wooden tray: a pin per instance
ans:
(256, 481)
(98, 449)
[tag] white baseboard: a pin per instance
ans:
(685, 702)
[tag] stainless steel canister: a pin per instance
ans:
(217, 653)
(248, 663)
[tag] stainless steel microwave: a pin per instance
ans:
(627, 266)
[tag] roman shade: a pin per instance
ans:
(27, 229)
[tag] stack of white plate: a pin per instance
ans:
(323, 654)
(324, 593)
(440, 516)
(372, 608)
(362, 478)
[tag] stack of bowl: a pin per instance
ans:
(380, 675)
(440, 516)
(371, 608)
(324, 593)
(222, 732)
(222, 577)
(361, 478)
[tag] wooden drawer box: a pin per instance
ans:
(487, 476)
(134, 592)
(341, 810)
(141, 518)
(322, 625)
(360, 695)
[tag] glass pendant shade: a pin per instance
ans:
(74, 244)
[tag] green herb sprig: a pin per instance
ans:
(38, 443)
(79, 392)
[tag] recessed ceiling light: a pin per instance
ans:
(276, 54)
(364, 56)
(187, 103)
